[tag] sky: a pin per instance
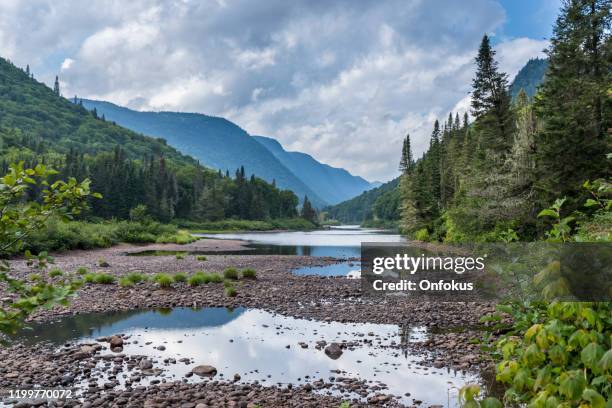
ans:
(342, 80)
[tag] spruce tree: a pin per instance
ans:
(406, 159)
(491, 101)
(56, 86)
(574, 101)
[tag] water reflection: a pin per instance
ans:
(265, 347)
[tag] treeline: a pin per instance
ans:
(167, 191)
(130, 170)
(478, 181)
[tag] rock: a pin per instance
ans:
(145, 364)
(161, 348)
(237, 377)
(116, 341)
(333, 351)
(204, 371)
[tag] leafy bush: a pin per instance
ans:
(230, 273)
(180, 277)
(196, 279)
(200, 258)
(135, 277)
(89, 277)
(163, 280)
(422, 235)
(180, 256)
(563, 360)
(82, 270)
(249, 273)
(53, 273)
(103, 278)
(230, 291)
(103, 263)
(296, 224)
(215, 278)
(125, 282)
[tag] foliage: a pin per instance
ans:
(299, 224)
(141, 178)
(230, 273)
(135, 277)
(18, 219)
(180, 277)
(361, 208)
(249, 273)
(215, 278)
(163, 280)
(200, 257)
(103, 278)
(422, 235)
(563, 360)
(230, 291)
(198, 279)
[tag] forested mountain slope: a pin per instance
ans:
(216, 142)
(380, 202)
(331, 183)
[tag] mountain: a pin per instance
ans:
(39, 118)
(333, 184)
(216, 142)
(376, 202)
(529, 77)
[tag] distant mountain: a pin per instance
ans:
(216, 142)
(529, 77)
(333, 184)
(362, 207)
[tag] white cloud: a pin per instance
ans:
(343, 81)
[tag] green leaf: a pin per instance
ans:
(572, 384)
(605, 363)
(591, 355)
(548, 213)
(595, 398)
(490, 402)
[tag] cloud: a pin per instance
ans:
(343, 81)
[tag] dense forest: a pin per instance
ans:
(130, 170)
(482, 180)
(378, 206)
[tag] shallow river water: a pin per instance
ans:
(265, 347)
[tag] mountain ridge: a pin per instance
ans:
(335, 184)
(227, 147)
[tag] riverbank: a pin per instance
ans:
(276, 289)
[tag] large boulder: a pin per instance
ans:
(204, 370)
(333, 351)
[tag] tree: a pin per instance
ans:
(406, 160)
(27, 70)
(19, 219)
(491, 102)
(574, 101)
(56, 86)
(308, 212)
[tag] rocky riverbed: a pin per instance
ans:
(276, 289)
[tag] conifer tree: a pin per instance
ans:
(491, 102)
(56, 86)
(574, 101)
(406, 159)
(308, 212)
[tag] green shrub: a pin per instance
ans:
(200, 258)
(135, 277)
(89, 277)
(82, 271)
(560, 353)
(215, 278)
(180, 256)
(103, 263)
(125, 281)
(180, 277)
(163, 280)
(196, 279)
(230, 273)
(55, 273)
(103, 278)
(422, 235)
(227, 283)
(34, 277)
(230, 291)
(249, 273)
